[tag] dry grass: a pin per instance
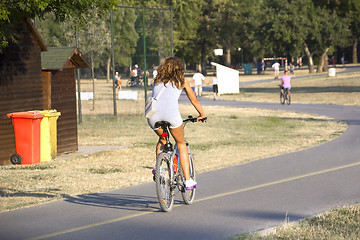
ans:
(252, 130)
(339, 224)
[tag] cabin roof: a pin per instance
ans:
(36, 34)
(57, 58)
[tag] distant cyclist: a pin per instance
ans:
(285, 82)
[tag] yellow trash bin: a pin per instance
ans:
(48, 134)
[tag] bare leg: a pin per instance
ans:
(161, 142)
(178, 134)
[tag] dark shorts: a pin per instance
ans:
(215, 88)
(282, 87)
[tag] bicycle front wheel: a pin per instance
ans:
(164, 189)
(189, 195)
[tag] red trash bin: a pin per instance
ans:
(27, 137)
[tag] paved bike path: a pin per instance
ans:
(239, 199)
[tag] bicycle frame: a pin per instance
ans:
(168, 173)
(173, 151)
(284, 95)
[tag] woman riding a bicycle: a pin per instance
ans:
(171, 76)
(285, 82)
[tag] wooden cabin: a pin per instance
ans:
(20, 82)
(59, 91)
(34, 77)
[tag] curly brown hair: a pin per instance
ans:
(171, 70)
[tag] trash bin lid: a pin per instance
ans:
(48, 113)
(32, 115)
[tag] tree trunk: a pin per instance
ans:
(198, 67)
(309, 55)
(227, 57)
(203, 65)
(326, 66)
(323, 59)
(355, 59)
(108, 69)
(203, 58)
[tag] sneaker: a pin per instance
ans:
(190, 184)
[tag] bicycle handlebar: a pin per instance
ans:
(192, 119)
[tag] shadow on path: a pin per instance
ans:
(118, 201)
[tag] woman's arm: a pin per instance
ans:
(191, 95)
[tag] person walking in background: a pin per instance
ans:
(276, 67)
(134, 75)
(259, 67)
(154, 72)
(299, 62)
(198, 78)
(292, 70)
(117, 82)
(215, 87)
(332, 61)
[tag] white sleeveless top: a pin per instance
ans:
(167, 106)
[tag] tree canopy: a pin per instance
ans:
(312, 29)
(12, 11)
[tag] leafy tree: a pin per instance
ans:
(186, 25)
(205, 40)
(125, 36)
(301, 22)
(333, 30)
(354, 16)
(53, 32)
(186, 22)
(228, 25)
(12, 11)
(350, 9)
(93, 40)
(236, 27)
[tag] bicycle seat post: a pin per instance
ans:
(168, 147)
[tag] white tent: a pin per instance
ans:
(228, 79)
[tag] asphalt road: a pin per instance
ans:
(239, 199)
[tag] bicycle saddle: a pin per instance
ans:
(162, 124)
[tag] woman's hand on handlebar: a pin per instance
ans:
(201, 119)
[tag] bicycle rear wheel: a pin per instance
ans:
(164, 191)
(189, 195)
